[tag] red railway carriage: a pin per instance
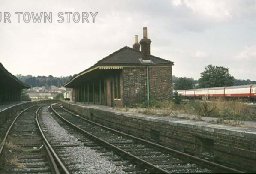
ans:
(244, 91)
(238, 91)
(253, 91)
(216, 92)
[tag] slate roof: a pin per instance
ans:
(129, 56)
(8, 80)
(125, 56)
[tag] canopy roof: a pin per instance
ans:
(7, 80)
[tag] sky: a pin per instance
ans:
(191, 33)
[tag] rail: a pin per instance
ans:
(195, 159)
(57, 163)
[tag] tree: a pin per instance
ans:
(215, 76)
(244, 82)
(59, 96)
(183, 83)
(176, 98)
(44, 80)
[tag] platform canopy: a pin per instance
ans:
(9, 81)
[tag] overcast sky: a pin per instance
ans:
(191, 33)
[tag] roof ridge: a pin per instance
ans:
(109, 56)
(149, 55)
(126, 47)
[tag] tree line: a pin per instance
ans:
(46, 81)
(212, 76)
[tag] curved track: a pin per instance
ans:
(154, 157)
(79, 153)
(23, 150)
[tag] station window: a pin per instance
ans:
(117, 94)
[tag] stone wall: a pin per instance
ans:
(160, 83)
(135, 84)
(7, 115)
(11, 111)
(234, 147)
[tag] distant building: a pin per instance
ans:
(43, 93)
(126, 77)
(10, 86)
(67, 94)
(40, 95)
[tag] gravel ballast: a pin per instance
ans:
(84, 159)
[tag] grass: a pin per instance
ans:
(12, 146)
(159, 112)
(227, 112)
(11, 159)
(231, 110)
(229, 122)
(14, 161)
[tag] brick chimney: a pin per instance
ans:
(136, 45)
(145, 45)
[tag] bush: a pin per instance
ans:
(176, 98)
(221, 109)
(155, 104)
(200, 109)
(236, 110)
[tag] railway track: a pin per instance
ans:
(78, 153)
(23, 149)
(153, 157)
(39, 141)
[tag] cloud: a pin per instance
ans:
(192, 33)
(248, 53)
(200, 54)
(203, 15)
(212, 9)
(243, 64)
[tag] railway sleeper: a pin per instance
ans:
(133, 150)
(28, 170)
(65, 145)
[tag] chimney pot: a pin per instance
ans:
(145, 32)
(136, 39)
(136, 45)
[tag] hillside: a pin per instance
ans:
(46, 81)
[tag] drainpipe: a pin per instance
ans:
(148, 92)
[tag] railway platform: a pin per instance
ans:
(10, 105)
(225, 144)
(249, 126)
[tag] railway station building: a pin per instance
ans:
(10, 86)
(126, 77)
